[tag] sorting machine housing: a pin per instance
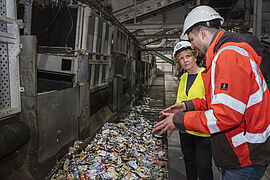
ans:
(73, 69)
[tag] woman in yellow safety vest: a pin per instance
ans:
(195, 146)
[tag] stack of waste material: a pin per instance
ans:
(124, 150)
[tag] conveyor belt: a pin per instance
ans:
(163, 94)
(158, 96)
(156, 99)
(125, 149)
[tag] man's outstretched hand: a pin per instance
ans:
(177, 107)
(165, 125)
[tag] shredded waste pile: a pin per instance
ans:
(126, 150)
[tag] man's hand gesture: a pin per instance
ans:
(177, 107)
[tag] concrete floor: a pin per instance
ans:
(176, 162)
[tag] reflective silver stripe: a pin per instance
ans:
(211, 121)
(251, 137)
(213, 74)
(254, 98)
(235, 48)
(230, 102)
(238, 139)
(257, 96)
(204, 98)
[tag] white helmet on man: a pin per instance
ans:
(179, 46)
(200, 14)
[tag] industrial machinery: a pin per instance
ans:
(69, 66)
(73, 68)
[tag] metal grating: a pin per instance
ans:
(3, 26)
(4, 78)
(4, 64)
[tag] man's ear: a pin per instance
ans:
(202, 33)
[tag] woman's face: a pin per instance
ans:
(186, 60)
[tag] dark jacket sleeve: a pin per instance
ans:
(178, 120)
(189, 105)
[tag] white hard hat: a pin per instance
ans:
(200, 14)
(179, 46)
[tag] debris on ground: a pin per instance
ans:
(125, 150)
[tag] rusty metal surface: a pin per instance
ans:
(84, 111)
(28, 80)
(83, 74)
(28, 66)
(46, 121)
(57, 117)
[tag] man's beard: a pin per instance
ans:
(201, 57)
(201, 54)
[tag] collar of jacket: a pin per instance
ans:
(210, 51)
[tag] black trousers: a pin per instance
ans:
(197, 156)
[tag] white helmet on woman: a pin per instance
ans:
(180, 46)
(200, 14)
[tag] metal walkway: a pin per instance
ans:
(176, 162)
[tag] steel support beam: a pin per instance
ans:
(153, 26)
(143, 8)
(153, 36)
(257, 18)
(157, 49)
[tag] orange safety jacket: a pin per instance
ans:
(237, 103)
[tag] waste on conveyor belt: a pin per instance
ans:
(126, 150)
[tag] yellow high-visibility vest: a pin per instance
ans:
(196, 91)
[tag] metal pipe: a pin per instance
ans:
(162, 43)
(13, 137)
(135, 11)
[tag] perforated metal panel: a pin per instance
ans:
(3, 26)
(4, 64)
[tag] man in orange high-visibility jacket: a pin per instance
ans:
(236, 107)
